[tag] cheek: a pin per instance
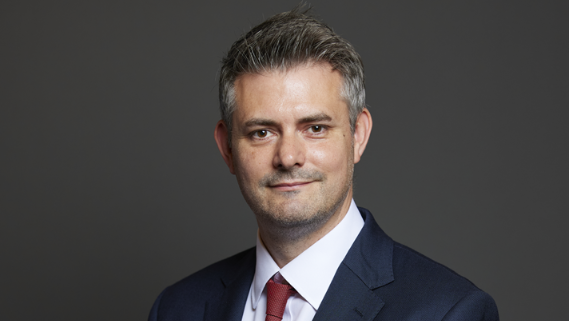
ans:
(331, 158)
(250, 164)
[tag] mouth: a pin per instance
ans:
(289, 186)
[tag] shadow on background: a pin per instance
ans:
(112, 187)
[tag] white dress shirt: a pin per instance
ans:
(310, 273)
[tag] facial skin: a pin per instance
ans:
(293, 153)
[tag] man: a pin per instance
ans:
(294, 123)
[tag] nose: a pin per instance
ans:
(290, 152)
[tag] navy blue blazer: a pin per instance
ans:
(379, 279)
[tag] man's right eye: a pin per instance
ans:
(261, 133)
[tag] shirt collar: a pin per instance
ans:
(312, 271)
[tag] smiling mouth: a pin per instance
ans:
(289, 186)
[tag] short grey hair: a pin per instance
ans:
(287, 40)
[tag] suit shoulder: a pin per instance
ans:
(428, 290)
(189, 295)
(405, 257)
(212, 275)
(430, 277)
(412, 265)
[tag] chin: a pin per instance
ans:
(289, 212)
(298, 213)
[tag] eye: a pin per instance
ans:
(261, 133)
(316, 129)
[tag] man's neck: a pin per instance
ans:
(284, 250)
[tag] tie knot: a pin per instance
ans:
(278, 294)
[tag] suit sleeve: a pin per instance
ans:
(475, 306)
(153, 315)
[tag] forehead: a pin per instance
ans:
(299, 90)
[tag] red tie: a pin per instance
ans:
(277, 299)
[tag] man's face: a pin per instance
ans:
(292, 147)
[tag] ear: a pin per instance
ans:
(363, 127)
(221, 137)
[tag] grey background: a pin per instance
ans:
(111, 186)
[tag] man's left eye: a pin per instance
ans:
(316, 129)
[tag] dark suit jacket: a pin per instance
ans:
(379, 279)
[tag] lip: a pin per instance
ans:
(289, 186)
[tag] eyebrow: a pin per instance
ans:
(260, 122)
(315, 118)
(268, 122)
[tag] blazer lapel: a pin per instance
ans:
(367, 266)
(348, 298)
(229, 306)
